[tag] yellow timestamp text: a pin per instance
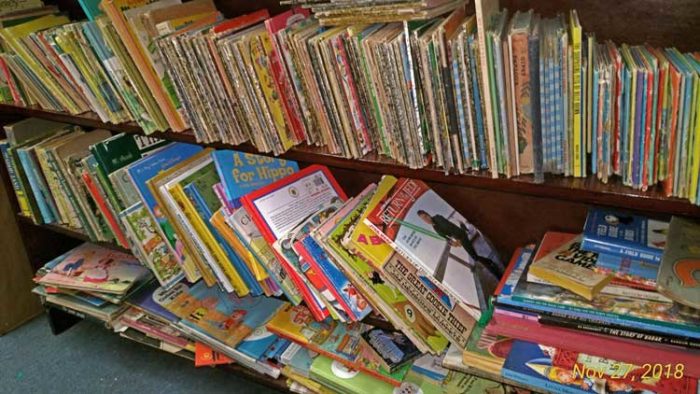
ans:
(630, 371)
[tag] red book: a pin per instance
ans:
(104, 209)
(527, 328)
(290, 105)
(279, 207)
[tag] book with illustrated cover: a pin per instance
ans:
(141, 229)
(242, 173)
(625, 234)
(426, 230)
(346, 380)
(140, 173)
(225, 317)
(391, 349)
(91, 267)
(681, 262)
(385, 298)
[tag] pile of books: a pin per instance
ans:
(248, 255)
(611, 309)
(508, 94)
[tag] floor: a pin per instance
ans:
(89, 359)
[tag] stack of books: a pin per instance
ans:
(580, 314)
(245, 256)
(421, 82)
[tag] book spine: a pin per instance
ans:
(37, 187)
(599, 246)
(535, 108)
(22, 198)
(104, 209)
(522, 79)
(619, 331)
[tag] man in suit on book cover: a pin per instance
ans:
(468, 237)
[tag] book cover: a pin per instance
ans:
(242, 173)
(622, 233)
(143, 170)
(392, 348)
(533, 365)
(91, 267)
(141, 228)
(678, 273)
(386, 298)
(147, 299)
(205, 356)
(432, 235)
(344, 379)
(223, 316)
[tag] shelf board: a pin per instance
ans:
(583, 190)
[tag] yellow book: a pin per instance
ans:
(194, 267)
(363, 241)
(578, 158)
(219, 222)
(575, 278)
(312, 385)
(694, 156)
(114, 10)
(12, 37)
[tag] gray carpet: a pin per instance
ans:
(90, 359)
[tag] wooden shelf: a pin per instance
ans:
(584, 190)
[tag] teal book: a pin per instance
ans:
(91, 8)
(37, 184)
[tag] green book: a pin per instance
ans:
(346, 381)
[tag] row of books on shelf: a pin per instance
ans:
(221, 235)
(513, 94)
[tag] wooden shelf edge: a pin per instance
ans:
(583, 190)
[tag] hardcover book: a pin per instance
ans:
(625, 234)
(428, 232)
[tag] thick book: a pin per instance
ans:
(625, 234)
(429, 233)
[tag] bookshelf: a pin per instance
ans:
(513, 212)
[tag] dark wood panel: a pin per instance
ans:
(658, 22)
(581, 190)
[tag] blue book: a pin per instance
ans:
(531, 364)
(256, 344)
(143, 170)
(242, 173)
(91, 8)
(274, 352)
(340, 284)
(624, 234)
(627, 265)
(624, 128)
(535, 110)
(148, 299)
(483, 156)
(200, 205)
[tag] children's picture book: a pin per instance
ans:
(92, 267)
(344, 379)
(145, 169)
(242, 173)
(223, 316)
(141, 229)
(679, 273)
(392, 349)
(204, 356)
(147, 299)
(626, 234)
(426, 230)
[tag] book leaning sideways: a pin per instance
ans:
(459, 260)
